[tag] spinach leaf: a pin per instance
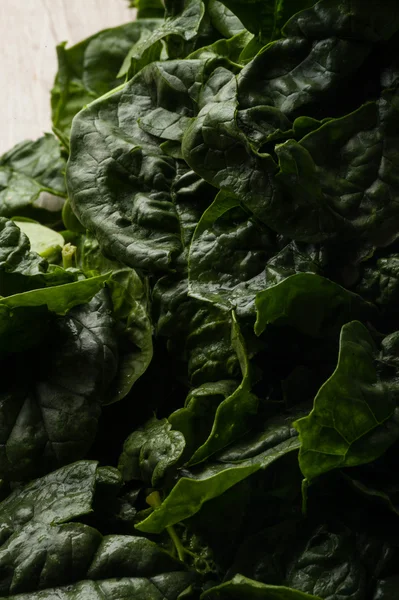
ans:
(46, 513)
(313, 304)
(180, 27)
(228, 273)
(148, 8)
(49, 417)
(233, 416)
(138, 171)
(266, 19)
(150, 451)
(227, 256)
(198, 333)
(89, 69)
(355, 416)
(242, 459)
(240, 587)
(28, 172)
(223, 19)
(130, 304)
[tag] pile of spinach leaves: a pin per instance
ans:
(199, 311)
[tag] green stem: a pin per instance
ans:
(154, 500)
(181, 551)
(305, 486)
(68, 256)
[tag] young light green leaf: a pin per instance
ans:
(58, 299)
(43, 240)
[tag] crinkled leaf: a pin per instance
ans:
(28, 172)
(55, 499)
(49, 416)
(266, 18)
(223, 19)
(379, 283)
(89, 69)
(43, 546)
(176, 585)
(130, 308)
(329, 562)
(307, 198)
(192, 196)
(124, 200)
(325, 165)
(198, 333)
(183, 24)
(150, 451)
(228, 254)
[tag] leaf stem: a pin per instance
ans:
(154, 500)
(68, 256)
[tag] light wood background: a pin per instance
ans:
(29, 32)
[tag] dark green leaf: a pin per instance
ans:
(266, 18)
(313, 304)
(130, 308)
(234, 414)
(150, 451)
(223, 19)
(148, 8)
(355, 417)
(124, 201)
(228, 254)
(241, 460)
(379, 283)
(182, 26)
(176, 585)
(28, 172)
(90, 69)
(43, 546)
(49, 416)
(198, 333)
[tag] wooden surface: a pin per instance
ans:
(29, 32)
